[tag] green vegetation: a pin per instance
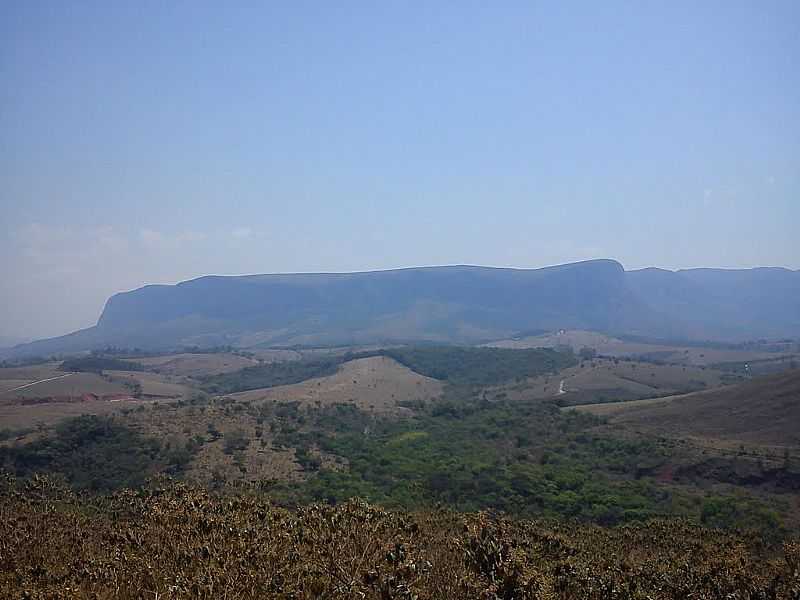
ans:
(479, 366)
(98, 364)
(476, 447)
(272, 374)
(96, 453)
(27, 361)
(7, 433)
(454, 364)
(732, 511)
(523, 458)
(217, 350)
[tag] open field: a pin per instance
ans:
(611, 346)
(609, 380)
(152, 385)
(607, 409)
(8, 385)
(372, 384)
(29, 374)
(22, 416)
(26, 403)
(195, 365)
(67, 384)
(110, 383)
(574, 338)
(763, 411)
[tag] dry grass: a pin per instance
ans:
(73, 384)
(196, 365)
(607, 409)
(17, 416)
(17, 413)
(604, 380)
(374, 384)
(11, 384)
(259, 462)
(32, 373)
(764, 411)
(260, 459)
(611, 346)
(152, 385)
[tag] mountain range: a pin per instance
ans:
(460, 304)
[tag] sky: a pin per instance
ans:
(153, 142)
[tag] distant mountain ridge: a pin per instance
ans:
(461, 304)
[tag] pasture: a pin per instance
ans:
(375, 384)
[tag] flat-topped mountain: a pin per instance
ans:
(462, 304)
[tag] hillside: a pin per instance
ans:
(764, 411)
(415, 427)
(724, 304)
(460, 304)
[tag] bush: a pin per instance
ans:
(480, 366)
(235, 441)
(95, 453)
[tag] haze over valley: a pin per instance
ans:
(459, 304)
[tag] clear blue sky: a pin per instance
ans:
(150, 142)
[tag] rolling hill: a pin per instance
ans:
(762, 411)
(462, 304)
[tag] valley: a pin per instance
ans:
(532, 432)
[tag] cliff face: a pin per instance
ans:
(446, 304)
(440, 303)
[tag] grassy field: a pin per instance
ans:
(764, 411)
(609, 380)
(608, 409)
(32, 397)
(27, 417)
(7, 385)
(151, 385)
(610, 346)
(32, 373)
(372, 384)
(196, 365)
(68, 384)
(15, 377)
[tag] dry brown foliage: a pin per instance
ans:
(175, 541)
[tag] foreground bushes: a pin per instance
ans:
(178, 542)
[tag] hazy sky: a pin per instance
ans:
(145, 142)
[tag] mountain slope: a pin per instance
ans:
(444, 304)
(722, 303)
(765, 410)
